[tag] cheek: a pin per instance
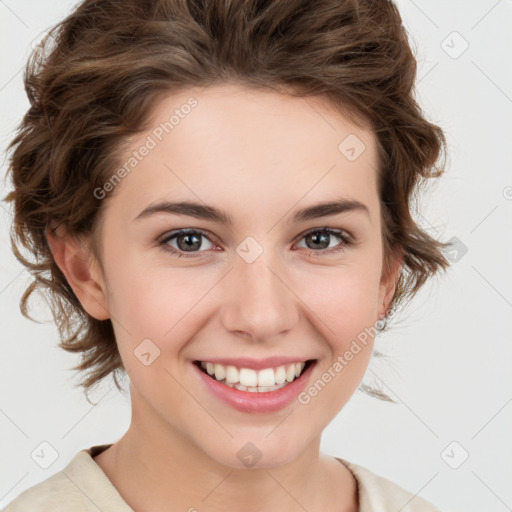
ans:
(344, 299)
(159, 303)
(343, 303)
(151, 303)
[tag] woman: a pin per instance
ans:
(218, 196)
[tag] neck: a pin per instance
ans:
(153, 466)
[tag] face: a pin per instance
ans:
(269, 283)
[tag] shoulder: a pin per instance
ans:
(378, 493)
(57, 494)
(81, 486)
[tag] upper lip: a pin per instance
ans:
(256, 364)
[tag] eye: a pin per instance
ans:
(187, 241)
(322, 238)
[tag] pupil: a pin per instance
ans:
(190, 244)
(324, 239)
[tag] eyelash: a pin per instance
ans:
(345, 242)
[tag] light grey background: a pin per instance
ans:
(449, 358)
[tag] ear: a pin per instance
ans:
(81, 270)
(389, 282)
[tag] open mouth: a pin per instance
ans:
(260, 381)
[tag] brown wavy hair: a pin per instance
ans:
(96, 75)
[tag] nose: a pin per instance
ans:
(257, 299)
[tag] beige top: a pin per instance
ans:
(82, 486)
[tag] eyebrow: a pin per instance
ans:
(205, 212)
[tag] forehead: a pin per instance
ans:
(234, 144)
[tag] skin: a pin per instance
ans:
(259, 156)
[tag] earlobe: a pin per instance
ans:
(389, 283)
(83, 275)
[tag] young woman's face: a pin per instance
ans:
(271, 283)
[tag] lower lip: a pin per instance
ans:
(245, 401)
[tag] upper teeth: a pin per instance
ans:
(251, 378)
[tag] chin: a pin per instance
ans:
(243, 453)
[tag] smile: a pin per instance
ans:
(248, 379)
